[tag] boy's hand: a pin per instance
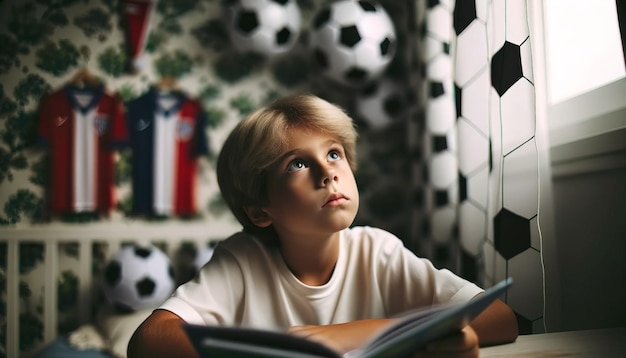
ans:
(341, 337)
(345, 337)
(463, 344)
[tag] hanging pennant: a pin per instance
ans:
(137, 14)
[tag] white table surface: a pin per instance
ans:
(602, 343)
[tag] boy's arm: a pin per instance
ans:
(161, 335)
(495, 325)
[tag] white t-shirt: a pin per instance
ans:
(248, 284)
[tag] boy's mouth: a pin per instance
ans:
(335, 199)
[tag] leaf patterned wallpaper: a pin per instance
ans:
(46, 43)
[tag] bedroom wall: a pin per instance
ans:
(590, 213)
(43, 50)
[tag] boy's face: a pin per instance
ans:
(311, 189)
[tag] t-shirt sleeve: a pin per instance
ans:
(409, 282)
(212, 297)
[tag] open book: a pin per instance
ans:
(412, 331)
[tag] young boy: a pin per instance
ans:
(286, 172)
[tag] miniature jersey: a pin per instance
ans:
(167, 135)
(81, 127)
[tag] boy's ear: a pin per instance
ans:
(258, 216)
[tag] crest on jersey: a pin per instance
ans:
(184, 130)
(102, 124)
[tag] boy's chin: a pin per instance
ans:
(343, 223)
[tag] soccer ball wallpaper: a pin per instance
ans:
(381, 103)
(352, 42)
(263, 27)
(138, 278)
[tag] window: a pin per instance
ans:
(583, 47)
(580, 66)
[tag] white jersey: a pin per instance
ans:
(248, 284)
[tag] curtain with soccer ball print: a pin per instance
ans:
(478, 168)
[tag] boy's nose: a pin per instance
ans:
(328, 175)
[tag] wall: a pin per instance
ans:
(588, 157)
(45, 46)
(590, 213)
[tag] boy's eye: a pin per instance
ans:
(334, 155)
(295, 165)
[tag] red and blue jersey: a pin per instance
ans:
(81, 127)
(167, 135)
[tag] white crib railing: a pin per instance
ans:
(52, 237)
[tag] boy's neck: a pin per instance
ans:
(312, 261)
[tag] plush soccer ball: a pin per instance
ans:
(138, 278)
(264, 27)
(381, 103)
(352, 42)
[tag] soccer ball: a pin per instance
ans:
(263, 27)
(381, 103)
(138, 278)
(352, 42)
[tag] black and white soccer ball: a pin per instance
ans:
(352, 42)
(137, 278)
(263, 27)
(381, 103)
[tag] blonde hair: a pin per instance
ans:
(257, 141)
